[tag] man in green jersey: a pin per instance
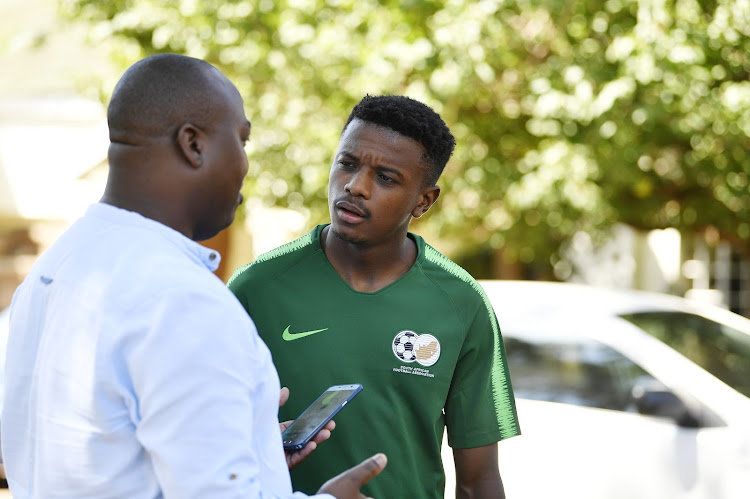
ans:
(362, 300)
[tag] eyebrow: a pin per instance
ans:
(379, 167)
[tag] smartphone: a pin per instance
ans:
(315, 417)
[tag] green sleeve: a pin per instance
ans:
(480, 408)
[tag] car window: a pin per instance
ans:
(719, 349)
(585, 373)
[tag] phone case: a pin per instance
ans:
(317, 415)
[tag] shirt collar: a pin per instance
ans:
(210, 258)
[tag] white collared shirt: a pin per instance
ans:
(132, 371)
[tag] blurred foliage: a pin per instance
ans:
(569, 115)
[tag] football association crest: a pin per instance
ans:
(409, 346)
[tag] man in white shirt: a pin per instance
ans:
(132, 371)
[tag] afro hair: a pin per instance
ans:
(412, 119)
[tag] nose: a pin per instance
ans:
(359, 185)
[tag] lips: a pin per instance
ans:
(350, 212)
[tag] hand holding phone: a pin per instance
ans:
(317, 415)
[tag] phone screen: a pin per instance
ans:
(315, 417)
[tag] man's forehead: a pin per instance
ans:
(382, 144)
(358, 126)
(229, 101)
(358, 130)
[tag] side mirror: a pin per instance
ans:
(655, 399)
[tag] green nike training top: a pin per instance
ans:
(427, 350)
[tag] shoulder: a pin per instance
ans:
(451, 278)
(174, 277)
(275, 261)
(182, 296)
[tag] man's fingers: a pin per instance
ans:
(324, 434)
(283, 396)
(296, 457)
(368, 469)
(347, 484)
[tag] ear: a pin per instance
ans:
(191, 142)
(427, 198)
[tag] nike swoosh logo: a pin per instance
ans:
(295, 336)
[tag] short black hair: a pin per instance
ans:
(412, 119)
(158, 94)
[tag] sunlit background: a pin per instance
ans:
(601, 142)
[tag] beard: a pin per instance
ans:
(357, 241)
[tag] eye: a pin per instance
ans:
(346, 165)
(386, 178)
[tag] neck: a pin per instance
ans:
(369, 268)
(143, 180)
(148, 207)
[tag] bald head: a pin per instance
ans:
(177, 130)
(156, 95)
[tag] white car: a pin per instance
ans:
(607, 410)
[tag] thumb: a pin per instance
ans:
(367, 469)
(283, 396)
(347, 484)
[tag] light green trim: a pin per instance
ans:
(284, 249)
(500, 389)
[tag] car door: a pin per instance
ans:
(582, 436)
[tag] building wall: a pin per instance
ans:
(694, 266)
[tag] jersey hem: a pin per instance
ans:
(479, 440)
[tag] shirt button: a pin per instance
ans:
(212, 256)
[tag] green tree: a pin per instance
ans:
(569, 115)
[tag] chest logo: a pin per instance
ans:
(409, 346)
(287, 336)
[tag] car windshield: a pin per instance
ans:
(579, 372)
(719, 349)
